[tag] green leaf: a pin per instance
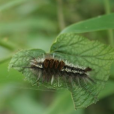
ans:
(108, 90)
(22, 59)
(31, 23)
(62, 103)
(25, 104)
(82, 52)
(78, 51)
(112, 70)
(103, 22)
(11, 4)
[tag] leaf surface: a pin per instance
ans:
(80, 51)
(77, 51)
(102, 22)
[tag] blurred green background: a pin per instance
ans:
(26, 24)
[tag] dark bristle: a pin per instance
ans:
(46, 63)
(61, 65)
(51, 63)
(88, 69)
(56, 64)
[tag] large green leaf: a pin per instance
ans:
(82, 52)
(78, 51)
(103, 22)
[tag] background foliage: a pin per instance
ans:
(35, 24)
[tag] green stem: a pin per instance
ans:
(5, 59)
(60, 14)
(110, 31)
(7, 45)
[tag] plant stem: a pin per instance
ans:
(60, 14)
(7, 45)
(5, 59)
(110, 31)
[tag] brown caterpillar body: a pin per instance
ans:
(52, 68)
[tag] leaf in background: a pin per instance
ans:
(108, 90)
(96, 24)
(80, 51)
(11, 4)
(28, 24)
(25, 104)
(62, 103)
(112, 70)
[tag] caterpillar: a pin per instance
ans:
(48, 69)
